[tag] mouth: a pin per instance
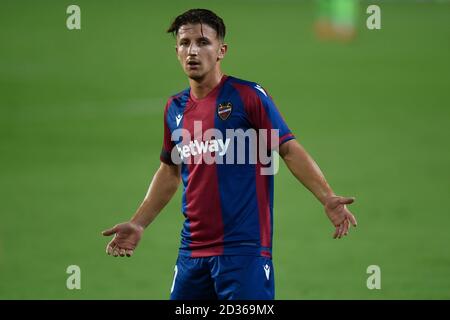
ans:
(193, 64)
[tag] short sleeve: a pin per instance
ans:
(264, 114)
(167, 144)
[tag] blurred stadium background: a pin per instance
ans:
(81, 131)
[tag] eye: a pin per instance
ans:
(204, 42)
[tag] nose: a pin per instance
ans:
(193, 49)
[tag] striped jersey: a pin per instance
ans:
(223, 143)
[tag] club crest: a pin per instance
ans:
(224, 110)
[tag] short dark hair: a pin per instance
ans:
(199, 16)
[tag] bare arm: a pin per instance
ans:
(128, 234)
(306, 170)
(162, 188)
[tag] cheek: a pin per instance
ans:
(212, 55)
(181, 57)
(180, 51)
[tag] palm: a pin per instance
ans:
(339, 215)
(126, 237)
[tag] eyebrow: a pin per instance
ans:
(198, 39)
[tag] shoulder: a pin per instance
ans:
(177, 99)
(253, 96)
(248, 90)
(182, 95)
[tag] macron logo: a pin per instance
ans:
(178, 119)
(258, 87)
(267, 271)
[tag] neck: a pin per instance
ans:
(201, 87)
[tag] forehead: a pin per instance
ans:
(196, 30)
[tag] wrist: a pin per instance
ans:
(138, 224)
(326, 197)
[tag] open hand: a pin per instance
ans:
(340, 216)
(126, 238)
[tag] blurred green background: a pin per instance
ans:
(81, 131)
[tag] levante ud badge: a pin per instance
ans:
(224, 110)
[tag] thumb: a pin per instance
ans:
(345, 200)
(110, 232)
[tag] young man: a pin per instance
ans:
(226, 240)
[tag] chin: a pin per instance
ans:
(195, 75)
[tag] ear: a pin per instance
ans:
(222, 51)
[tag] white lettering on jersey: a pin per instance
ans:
(200, 147)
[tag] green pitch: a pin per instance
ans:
(81, 131)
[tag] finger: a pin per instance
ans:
(346, 200)
(346, 227)
(352, 219)
(336, 232)
(341, 229)
(122, 252)
(112, 244)
(115, 251)
(109, 249)
(129, 253)
(110, 231)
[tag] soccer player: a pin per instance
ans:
(226, 239)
